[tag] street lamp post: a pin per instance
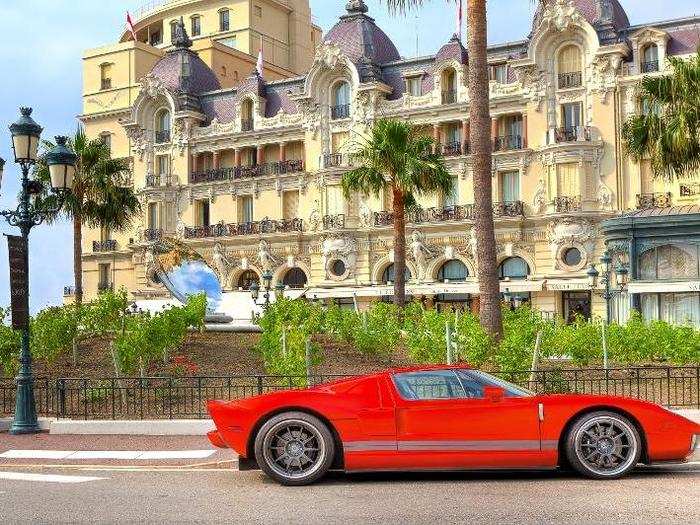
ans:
(267, 289)
(61, 161)
(609, 291)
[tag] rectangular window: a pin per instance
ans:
(106, 76)
(414, 87)
(201, 209)
(152, 215)
(567, 180)
(338, 141)
(675, 308)
(107, 140)
(196, 26)
(290, 204)
(224, 20)
(499, 73)
(156, 38)
(105, 234)
(104, 276)
(452, 199)
(245, 209)
(510, 186)
(162, 166)
(571, 115)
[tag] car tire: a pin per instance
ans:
(294, 448)
(603, 445)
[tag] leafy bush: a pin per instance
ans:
(378, 330)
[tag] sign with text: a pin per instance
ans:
(17, 251)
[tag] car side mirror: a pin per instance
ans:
(495, 394)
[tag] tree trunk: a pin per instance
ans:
(399, 249)
(78, 257)
(481, 146)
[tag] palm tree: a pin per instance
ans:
(668, 130)
(99, 199)
(397, 158)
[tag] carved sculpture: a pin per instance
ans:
(315, 217)
(339, 248)
(421, 253)
(221, 263)
(265, 258)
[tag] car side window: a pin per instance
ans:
(438, 384)
(474, 382)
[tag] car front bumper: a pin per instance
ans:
(694, 449)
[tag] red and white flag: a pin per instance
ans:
(259, 65)
(130, 25)
(459, 20)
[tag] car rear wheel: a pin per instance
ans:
(603, 445)
(294, 448)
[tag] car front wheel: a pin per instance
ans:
(294, 448)
(603, 445)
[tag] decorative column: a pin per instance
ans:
(283, 151)
(465, 136)
(237, 157)
(524, 130)
(193, 163)
(436, 136)
(260, 155)
(216, 160)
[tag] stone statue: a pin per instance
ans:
(265, 258)
(343, 249)
(149, 265)
(315, 217)
(540, 200)
(421, 253)
(365, 214)
(180, 228)
(221, 263)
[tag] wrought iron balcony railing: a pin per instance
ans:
(109, 245)
(572, 134)
(508, 209)
(570, 80)
(162, 136)
(105, 286)
(653, 200)
(68, 291)
(336, 160)
(567, 203)
(334, 222)
(508, 142)
(152, 234)
(224, 174)
(247, 124)
(449, 96)
(154, 181)
(340, 112)
(452, 149)
(689, 190)
(106, 84)
(650, 67)
(463, 212)
(265, 226)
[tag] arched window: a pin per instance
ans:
(162, 126)
(295, 278)
(569, 67)
(389, 275)
(247, 115)
(224, 20)
(247, 278)
(453, 270)
(513, 268)
(650, 59)
(196, 25)
(449, 86)
(340, 106)
(669, 262)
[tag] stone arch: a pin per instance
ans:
(281, 271)
(438, 262)
(382, 264)
(236, 274)
(529, 260)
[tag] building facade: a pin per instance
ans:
(248, 174)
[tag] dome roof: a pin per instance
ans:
(182, 70)
(453, 50)
(598, 13)
(358, 36)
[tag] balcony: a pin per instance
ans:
(247, 124)
(163, 136)
(653, 200)
(566, 204)
(689, 190)
(508, 143)
(106, 84)
(570, 80)
(569, 134)
(109, 245)
(334, 222)
(462, 212)
(336, 160)
(155, 181)
(152, 235)
(240, 172)
(68, 291)
(650, 67)
(103, 286)
(340, 112)
(454, 149)
(265, 226)
(449, 96)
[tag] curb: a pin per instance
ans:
(45, 423)
(175, 427)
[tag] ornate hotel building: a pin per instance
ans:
(246, 169)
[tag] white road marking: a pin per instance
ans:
(107, 454)
(46, 478)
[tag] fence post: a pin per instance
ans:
(448, 342)
(536, 356)
(260, 385)
(605, 346)
(308, 361)
(61, 394)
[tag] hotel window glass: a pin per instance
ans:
(156, 38)
(451, 199)
(413, 86)
(650, 59)
(173, 30)
(335, 200)
(105, 234)
(675, 308)
(152, 215)
(106, 139)
(499, 73)
(290, 204)
(567, 180)
(389, 274)
(669, 262)
(338, 141)
(513, 268)
(569, 67)
(104, 275)
(105, 76)
(295, 278)
(162, 167)
(201, 208)
(571, 115)
(453, 271)
(510, 186)
(247, 278)
(196, 26)
(245, 209)
(224, 19)
(341, 101)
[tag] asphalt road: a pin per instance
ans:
(217, 494)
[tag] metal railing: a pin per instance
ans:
(572, 134)
(68, 291)
(109, 245)
(154, 181)
(449, 96)
(162, 136)
(105, 84)
(336, 160)
(239, 172)
(570, 80)
(452, 149)
(689, 190)
(333, 222)
(508, 142)
(340, 112)
(247, 124)
(186, 397)
(653, 200)
(152, 234)
(566, 203)
(463, 212)
(650, 67)
(245, 228)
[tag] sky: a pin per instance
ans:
(42, 42)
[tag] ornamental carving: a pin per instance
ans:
(152, 86)
(534, 82)
(264, 256)
(571, 233)
(221, 263)
(329, 56)
(560, 15)
(339, 249)
(605, 69)
(421, 253)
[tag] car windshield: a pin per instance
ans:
(451, 384)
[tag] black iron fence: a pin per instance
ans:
(185, 397)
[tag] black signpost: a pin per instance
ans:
(19, 282)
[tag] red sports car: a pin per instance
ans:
(444, 418)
